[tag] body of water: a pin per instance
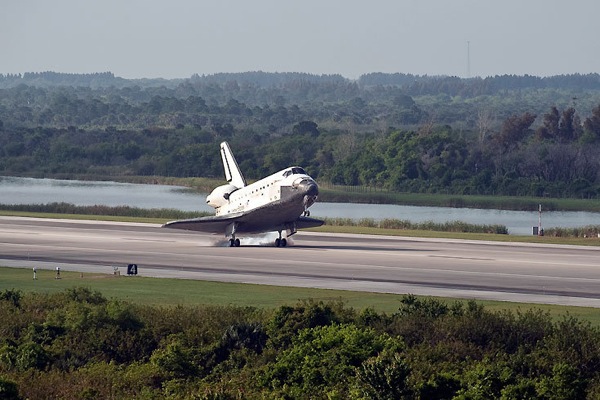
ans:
(89, 193)
(41, 191)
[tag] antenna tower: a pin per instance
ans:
(468, 59)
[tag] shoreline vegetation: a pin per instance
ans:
(455, 229)
(364, 194)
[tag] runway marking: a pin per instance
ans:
(149, 240)
(462, 258)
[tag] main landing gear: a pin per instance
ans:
(230, 231)
(280, 242)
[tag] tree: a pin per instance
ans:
(564, 383)
(569, 126)
(306, 127)
(485, 120)
(550, 125)
(176, 359)
(514, 130)
(384, 377)
(591, 126)
(326, 357)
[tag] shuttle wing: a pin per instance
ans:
(245, 223)
(232, 171)
(212, 224)
(307, 222)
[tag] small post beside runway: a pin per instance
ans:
(34, 273)
(540, 231)
(57, 273)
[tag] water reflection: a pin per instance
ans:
(89, 193)
(36, 191)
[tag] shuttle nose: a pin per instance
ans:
(309, 187)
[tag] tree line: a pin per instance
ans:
(556, 159)
(78, 344)
(492, 84)
(539, 140)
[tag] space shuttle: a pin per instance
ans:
(277, 203)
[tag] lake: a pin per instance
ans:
(86, 193)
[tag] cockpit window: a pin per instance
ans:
(294, 171)
(298, 170)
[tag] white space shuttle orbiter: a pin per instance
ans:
(277, 203)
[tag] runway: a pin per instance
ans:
(568, 275)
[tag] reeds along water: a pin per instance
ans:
(118, 211)
(454, 226)
(591, 231)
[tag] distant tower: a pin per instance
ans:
(468, 59)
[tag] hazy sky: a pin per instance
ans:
(177, 38)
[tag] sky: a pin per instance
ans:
(179, 38)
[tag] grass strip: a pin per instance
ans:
(174, 292)
(363, 230)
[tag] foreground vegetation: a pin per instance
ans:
(78, 344)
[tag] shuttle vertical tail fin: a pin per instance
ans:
(232, 170)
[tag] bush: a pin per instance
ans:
(76, 344)
(8, 390)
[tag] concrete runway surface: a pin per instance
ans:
(552, 274)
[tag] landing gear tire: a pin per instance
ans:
(277, 242)
(234, 243)
(283, 242)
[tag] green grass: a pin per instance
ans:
(459, 235)
(83, 217)
(172, 292)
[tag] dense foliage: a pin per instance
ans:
(78, 344)
(504, 135)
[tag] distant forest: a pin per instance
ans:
(501, 135)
